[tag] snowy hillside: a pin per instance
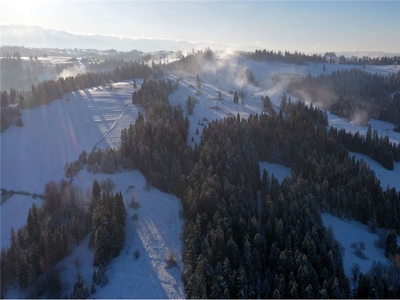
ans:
(155, 234)
(227, 74)
(349, 232)
(56, 134)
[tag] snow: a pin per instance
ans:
(389, 178)
(156, 233)
(279, 171)
(57, 133)
(383, 128)
(227, 74)
(81, 260)
(14, 213)
(347, 232)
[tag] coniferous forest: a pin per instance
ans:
(248, 236)
(245, 235)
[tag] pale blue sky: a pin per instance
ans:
(306, 26)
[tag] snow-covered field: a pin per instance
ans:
(348, 232)
(59, 132)
(279, 171)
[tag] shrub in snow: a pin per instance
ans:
(358, 249)
(136, 254)
(19, 122)
(171, 261)
(134, 204)
(107, 184)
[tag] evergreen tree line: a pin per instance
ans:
(9, 114)
(247, 236)
(54, 230)
(21, 74)
(366, 60)
(155, 145)
(108, 214)
(192, 62)
(50, 234)
(241, 243)
(285, 57)
(378, 148)
(50, 90)
(349, 93)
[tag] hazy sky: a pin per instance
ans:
(306, 26)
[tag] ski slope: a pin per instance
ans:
(57, 133)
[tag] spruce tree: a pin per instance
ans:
(236, 98)
(391, 243)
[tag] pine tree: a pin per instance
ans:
(198, 83)
(80, 290)
(283, 102)
(236, 98)
(18, 122)
(391, 243)
(190, 105)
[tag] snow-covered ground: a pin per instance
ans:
(59, 132)
(389, 178)
(155, 234)
(279, 171)
(14, 213)
(348, 232)
(383, 128)
(227, 75)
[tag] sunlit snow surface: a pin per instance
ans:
(155, 234)
(57, 133)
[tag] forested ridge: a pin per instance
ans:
(235, 247)
(246, 235)
(49, 90)
(352, 93)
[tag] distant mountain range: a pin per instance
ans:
(40, 37)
